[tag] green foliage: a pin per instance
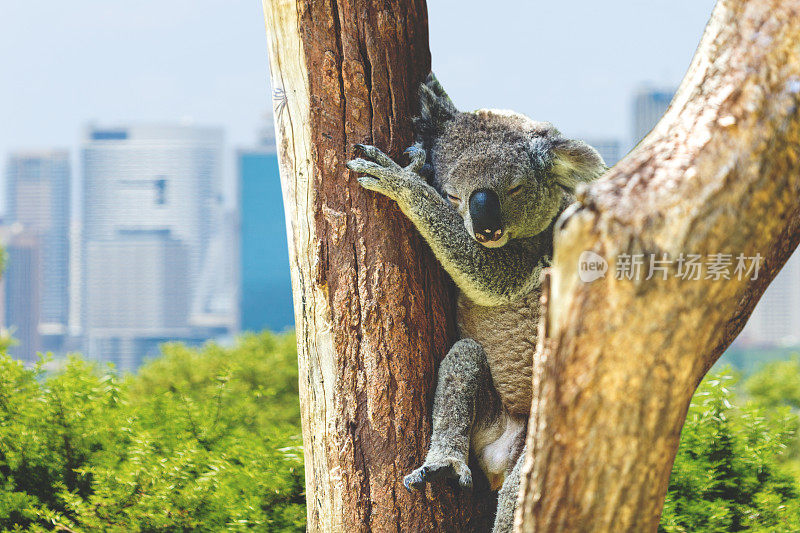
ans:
(777, 383)
(198, 440)
(729, 474)
(209, 440)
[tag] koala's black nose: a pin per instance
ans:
(487, 220)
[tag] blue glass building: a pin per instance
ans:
(266, 291)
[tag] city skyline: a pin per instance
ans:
(157, 256)
(152, 256)
(205, 63)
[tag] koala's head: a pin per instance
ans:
(507, 175)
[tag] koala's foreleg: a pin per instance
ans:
(486, 276)
(507, 498)
(463, 372)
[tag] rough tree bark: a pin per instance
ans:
(621, 359)
(372, 307)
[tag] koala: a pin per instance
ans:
(499, 180)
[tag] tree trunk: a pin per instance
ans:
(372, 306)
(622, 358)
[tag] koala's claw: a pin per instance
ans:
(362, 165)
(450, 468)
(377, 156)
(383, 175)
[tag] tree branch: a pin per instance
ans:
(719, 174)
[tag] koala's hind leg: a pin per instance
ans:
(463, 372)
(507, 498)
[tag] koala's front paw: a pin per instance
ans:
(384, 175)
(449, 467)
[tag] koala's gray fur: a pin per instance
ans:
(483, 394)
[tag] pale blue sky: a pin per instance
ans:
(575, 63)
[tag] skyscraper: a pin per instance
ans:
(609, 149)
(266, 293)
(649, 105)
(149, 198)
(38, 199)
(21, 285)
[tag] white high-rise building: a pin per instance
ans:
(150, 195)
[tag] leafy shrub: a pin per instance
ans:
(209, 440)
(729, 473)
(198, 440)
(777, 383)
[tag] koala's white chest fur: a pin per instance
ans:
(508, 335)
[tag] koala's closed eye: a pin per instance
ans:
(514, 190)
(455, 200)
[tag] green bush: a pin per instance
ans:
(777, 383)
(729, 474)
(198, 440)
(209, 440)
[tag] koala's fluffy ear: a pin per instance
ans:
(436, 109)
(575, 162)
